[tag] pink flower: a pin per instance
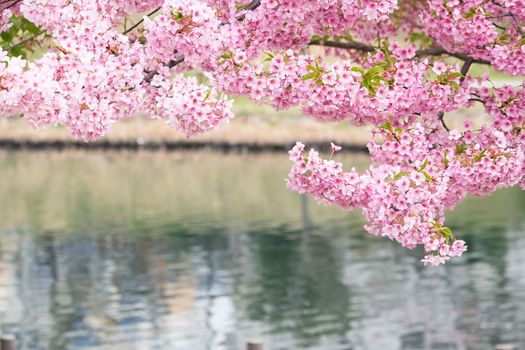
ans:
(434, 260)
(334, 148)
(439, 68)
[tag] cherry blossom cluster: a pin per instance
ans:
(187, 105)
(185, 28)
(506, 104)
(482, 28)
(416, 176)
(4, 20)
(94, 76)
(289, 24)
(380, 92)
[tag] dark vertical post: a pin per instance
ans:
(7, 343)
(250, 346)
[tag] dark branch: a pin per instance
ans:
(464, 69)
(355, 45)
(348, 45)
(473, 99)
(11, 5)
(149, 76)
(441, 117)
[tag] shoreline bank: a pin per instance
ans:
(249, 134)
(11, 144)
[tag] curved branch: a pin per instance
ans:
(348, 45)
(139, 22)
(10, 5)
(149, 76)
(359, 46)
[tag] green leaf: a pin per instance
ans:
(424, 165)
(479, 155)
(30, 26)
(436, 224)
(308, 76)
(17, 51)
(207, 95)
(445, 231)
(399, 175)
(460, 148)
(375, 71)
(178, 16)
(427, 176)
(445, 160)
(470, 13)
(269, 56)
(241, 6)
(454, 85)
(455, 75)
(387, 125)
(505, 37)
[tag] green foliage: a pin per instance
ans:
(372, 78)
(446, 232)
(417, 37)
(448, 78)
(445, 160)
(470, 13)
(178, 16)
(399, 175)
(241, 7)
(20, 38)
(480, 155)
(316, 73)
(460, 148)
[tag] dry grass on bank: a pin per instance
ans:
(252, 124)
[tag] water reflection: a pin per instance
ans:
(157, 251)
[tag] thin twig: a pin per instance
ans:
(13, 4)
(441, 117)
(464, 70)
(142, 20)
(25, 41)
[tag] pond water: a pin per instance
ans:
(208, 251)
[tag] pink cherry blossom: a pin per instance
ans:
(335, 148)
